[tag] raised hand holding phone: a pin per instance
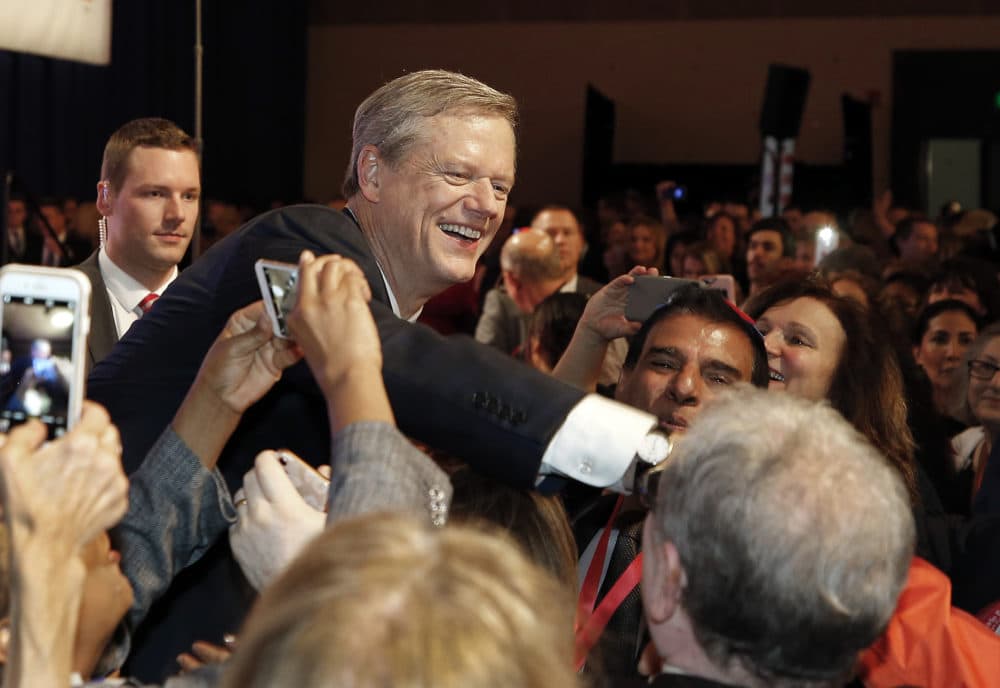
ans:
(334, 327)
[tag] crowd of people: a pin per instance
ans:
(779, 475)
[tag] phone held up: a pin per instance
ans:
(44, 319)
(648, 293)
(278, 284)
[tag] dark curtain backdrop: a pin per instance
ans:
(55, 115)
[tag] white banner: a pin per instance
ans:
(69, 29)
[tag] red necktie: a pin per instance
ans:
(147, 302)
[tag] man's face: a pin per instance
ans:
(921, 245)
(763, 251)
(685, 361)
(16, 213)
(151, 217)
(438, 209)
(565, 231)
(722, 235)
(54, 216)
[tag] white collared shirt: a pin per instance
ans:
(125, 292)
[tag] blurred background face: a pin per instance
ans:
(676, 259)
(984, 395)
(722, 235)
(565, 231)
(944, 343)
(693, 267)
(642, 245)
(16, 213)
(921, 245)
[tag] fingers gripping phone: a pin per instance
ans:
(648, 293)
(278, 284)
(44, 319)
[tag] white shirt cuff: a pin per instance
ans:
(597, 442)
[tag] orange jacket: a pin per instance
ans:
(929, 642)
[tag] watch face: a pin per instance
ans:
(655, 448)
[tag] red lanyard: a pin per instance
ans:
(590, 622)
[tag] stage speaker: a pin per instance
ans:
(784, 101)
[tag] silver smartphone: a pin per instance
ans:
(648, 293)
(278, 284)
(44, 322)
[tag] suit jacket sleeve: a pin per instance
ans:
(452, 393)
(177, 509)
(375, 469)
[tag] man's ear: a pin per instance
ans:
(369, 167)
(104, 206)
(663, 577)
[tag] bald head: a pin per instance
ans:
(531, 270)
(531, 256)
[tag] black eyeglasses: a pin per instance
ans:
(983, 370)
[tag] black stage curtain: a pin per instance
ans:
(55, 115)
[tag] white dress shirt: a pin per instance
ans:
(125, 292)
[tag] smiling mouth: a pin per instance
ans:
(462, 232)
(775, 375)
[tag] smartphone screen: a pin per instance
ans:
(278, 285)
(36, 361)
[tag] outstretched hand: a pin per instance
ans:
(246, 359)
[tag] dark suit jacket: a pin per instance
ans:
(103, 333)
(452, 393)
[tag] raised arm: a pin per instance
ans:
(603, 320)
(178, 502)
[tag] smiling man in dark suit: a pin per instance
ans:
(431, 167)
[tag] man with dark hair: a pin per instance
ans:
(916, 240)
(767, 242)
(561, 223)
(23, 244)
(692, 348)
(148, 198)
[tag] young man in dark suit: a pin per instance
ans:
(148, 197)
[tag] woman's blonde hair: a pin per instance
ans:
(384, 601)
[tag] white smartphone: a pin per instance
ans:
(44, 320)
(279, 288)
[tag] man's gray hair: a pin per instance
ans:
(795, 533)
(531, 255)
(392, 117)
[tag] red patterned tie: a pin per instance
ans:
(147, 302)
